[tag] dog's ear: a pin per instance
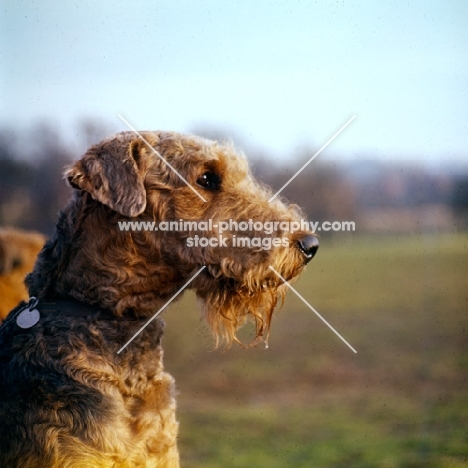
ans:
(113, 173)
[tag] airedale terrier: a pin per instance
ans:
(71, 394)
(18, 252)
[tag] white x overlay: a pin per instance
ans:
(203, 267)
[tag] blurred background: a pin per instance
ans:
(278, 79)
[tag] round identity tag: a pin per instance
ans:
(29, 316)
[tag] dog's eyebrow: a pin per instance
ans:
(160, 157)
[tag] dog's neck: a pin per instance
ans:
(91, 260)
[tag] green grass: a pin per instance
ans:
(309, 401)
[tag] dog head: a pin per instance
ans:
(215, 215)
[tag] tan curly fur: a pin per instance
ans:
(92, 406)
(18, 252)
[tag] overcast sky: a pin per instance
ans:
(278, 73)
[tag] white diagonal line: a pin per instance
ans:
(313, 310)
(312, 158)
(157, 154)
(161, 309)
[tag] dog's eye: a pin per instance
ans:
(209, 180)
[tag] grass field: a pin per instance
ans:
(308, 400)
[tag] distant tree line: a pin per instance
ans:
(32, 189)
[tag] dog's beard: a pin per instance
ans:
(229, 308)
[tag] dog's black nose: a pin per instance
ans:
(309, 246)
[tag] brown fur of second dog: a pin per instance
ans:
(18, 252)
(70, 395)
